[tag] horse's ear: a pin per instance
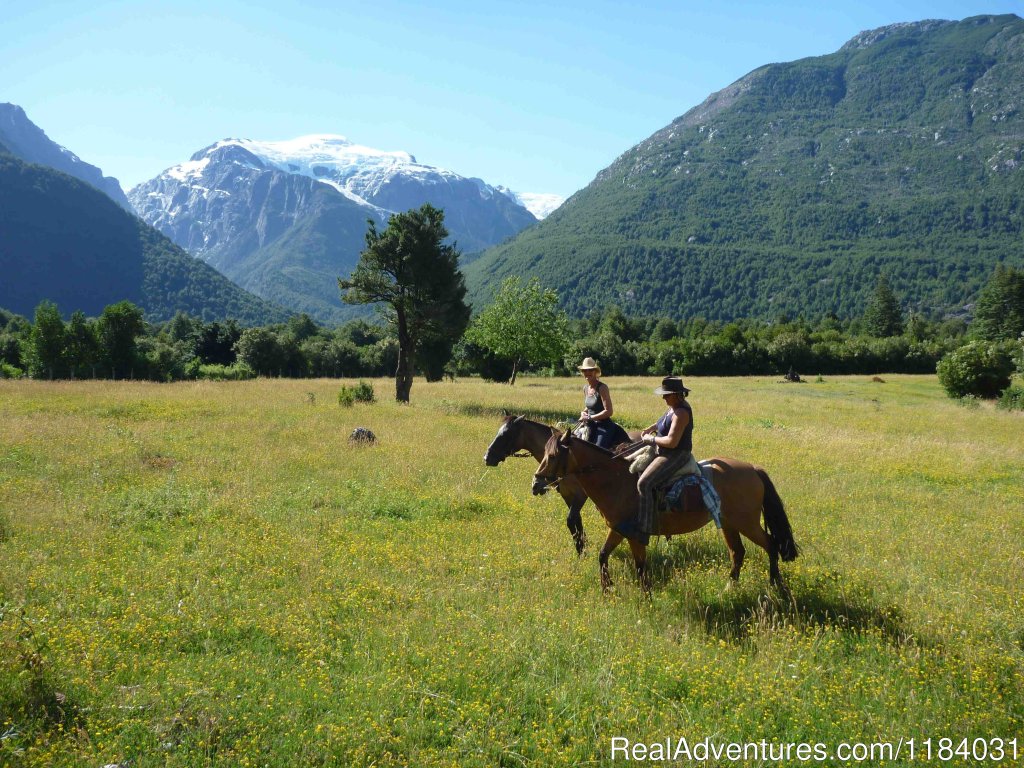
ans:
(504, 413)
(520, 418)
(565, 438)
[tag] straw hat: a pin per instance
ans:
(589, 364)
(672, 385)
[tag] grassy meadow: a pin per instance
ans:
(210, 574)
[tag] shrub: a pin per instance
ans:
(360, 393)
(217, 372)
(8, 371)
(979, 369)
(1012, 398)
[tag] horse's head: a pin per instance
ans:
(505, 443)
(554, 465)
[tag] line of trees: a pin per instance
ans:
(522, 331)
(411, 275)
(121, 345)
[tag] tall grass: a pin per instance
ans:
(210, 573)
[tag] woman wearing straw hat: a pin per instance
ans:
(672, 437)
(597, 409)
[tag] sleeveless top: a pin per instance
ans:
(665, 424)
(593, 403)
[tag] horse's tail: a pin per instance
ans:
(775, 520)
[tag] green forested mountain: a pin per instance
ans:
(794, 188)
(63, 240)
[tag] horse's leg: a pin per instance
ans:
(574, 499)
(737, 551)
(613, 540)
(753, 531)
(640, 558)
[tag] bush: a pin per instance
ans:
(216, 372)
(979, 369)
(360, 393)
(1012, 398)
(8, 371)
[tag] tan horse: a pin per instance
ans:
(745, 490)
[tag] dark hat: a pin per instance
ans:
(672, 385)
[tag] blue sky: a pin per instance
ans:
(537, 96)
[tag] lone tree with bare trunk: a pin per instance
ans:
(414, 277)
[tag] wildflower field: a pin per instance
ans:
(208, 573)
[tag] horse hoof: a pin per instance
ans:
(782, 589)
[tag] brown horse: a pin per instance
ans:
(745, 491)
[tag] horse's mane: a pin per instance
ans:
(512, 417)
(599, 449)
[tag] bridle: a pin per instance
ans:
(553, 479)
(503, 443)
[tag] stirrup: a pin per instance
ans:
(631, 530)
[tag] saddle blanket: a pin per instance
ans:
(674, 495)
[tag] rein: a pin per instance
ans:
(628, 449)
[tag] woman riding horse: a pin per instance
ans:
(672, 438)
(596, 416)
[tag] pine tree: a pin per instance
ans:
(883, 316)
(999, 313)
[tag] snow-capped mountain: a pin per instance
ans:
(363, 173)
(285, 219)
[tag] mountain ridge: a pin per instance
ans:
(29, 142)
(65, 241)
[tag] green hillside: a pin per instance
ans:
(66, 242)
(793, 188)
